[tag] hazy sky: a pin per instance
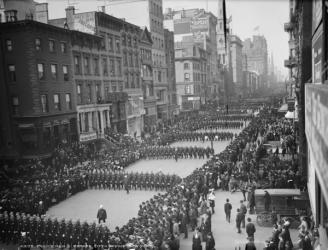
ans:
(269, 15)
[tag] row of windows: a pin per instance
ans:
(127, 41)
(196, 77)
(56, 102)
(132, 81)
(158, 60)
(145, 54)
(52, 45)
(156, 9)
(156, 26)
(130, 60)
(158, 43)
(195, 65)
(53, 68)
(91, 66)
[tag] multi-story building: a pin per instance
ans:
(173, 109)
(132, 79)
(38, 85)
(149, 97)
(257, 57)
(149, 13)
(120, 64)
(191, 74)
(250, 83)
(201, 26)
(93, 110)
(236, 47)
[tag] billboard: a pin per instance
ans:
(199, 24)
(317, 14)
(317, 56)
(181, 26)
(85, 22)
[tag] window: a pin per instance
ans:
(53, 68)
(119, 67)
(187, 77)
(65, 72)
(68, 101)
(124, 40)
(44, 103)
(12, 73)
(51, 45)
(37, 44)
(186, 66)
(126, 80)
(118, 44)
(77, 65)
(130, 60)
(223, 59)
(89, 93)
(41, 75)
(9, 45)
(104, 66)
(79, 94)
(159, 76)
(56, 102)
(86, 66)
(188, 89)
(129, 41)
(63, 47)
(96, 66)
(132, 81)
(98, 92)
(15, 104)
(110, 43)
(136, 61)
(112, 67)
(125, 59)
(137, 81)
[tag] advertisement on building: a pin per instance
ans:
(317, 56)
(199, 24)
(85, 22)
(181, 26)
(316, 120)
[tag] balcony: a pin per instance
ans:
(288, 27)
(291, 62)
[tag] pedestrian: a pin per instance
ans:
(210, 242)
(102, 214)
(250, 228)
(250, 244)
(227, 210)
(211, 199)
(239, 217)
(267, 201)
(196, 240)
(243, 209)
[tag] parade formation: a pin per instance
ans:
(186, 204)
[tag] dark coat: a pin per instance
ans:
(102, 214)
(250, 229)
(227, 207)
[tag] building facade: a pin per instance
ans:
(150, 117)
(149, 14)
(39, 87)
(200, 26)
(173, 109)
(256, 50)
(236, 47)
(191, 74)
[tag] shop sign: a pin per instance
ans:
(88, 136)
(316, 129)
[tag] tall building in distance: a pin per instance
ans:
(149, 14)
(200, 26)
(236, 61)
(256, 51)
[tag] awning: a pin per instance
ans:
(283, 108)
(291, 115)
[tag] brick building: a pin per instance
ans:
(149, 98)
(39, 87)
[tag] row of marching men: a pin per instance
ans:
(167, 152)
(212, 136)
(27, 230)
(122, 180)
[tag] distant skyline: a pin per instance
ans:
(269, 16)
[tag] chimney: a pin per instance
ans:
(70, 12)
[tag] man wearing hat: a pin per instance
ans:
(101, 214)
